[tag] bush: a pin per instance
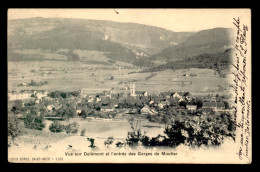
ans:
(14, 129)
(119, 144)
(56, 127)
(34, 122)
(83, 132)
(109, 141)
(71, 128)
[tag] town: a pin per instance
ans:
(114, 104)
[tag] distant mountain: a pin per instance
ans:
(217, 61)
(204, 42)
(121, 41)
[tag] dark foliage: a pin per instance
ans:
(33, 121)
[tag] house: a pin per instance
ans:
(41, 93)
(163, 103)
(146, 110)
(191, 107)
(151, 102)
(176, 95)
(141, 93)
(49, 108)
(213, 105)
(106, 108)
(182, 96)
(98, 99)
(91, 99)
(160, 105)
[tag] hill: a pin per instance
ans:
(217, 61)
(204, 42)
(121, 41)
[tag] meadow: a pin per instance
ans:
(72, 76)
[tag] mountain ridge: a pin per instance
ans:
(204, 42)
(151, 38)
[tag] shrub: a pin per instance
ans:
(34, 122)
(56, 127)
(134, 138)
(71, 128)
(119, 144)
(109, 141)
(83, 132)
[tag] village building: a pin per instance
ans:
(182, 96)
(147, 110)
(106, 108)
(141, 93)
(151, 102)
(98, 99)
(91, 99)
(191, 107)
(163, 103)
(41, 93)
(213, 105)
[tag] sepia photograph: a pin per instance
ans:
(166, 86)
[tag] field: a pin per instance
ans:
(45, 142)
(71, 76)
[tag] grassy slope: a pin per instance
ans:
(208, 61)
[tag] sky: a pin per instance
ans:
(178, 20)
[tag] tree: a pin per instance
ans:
(14, 128)
(165, 119)
(56, 127)
(183, 103)
(16, 107)
(71, 128)
(67, 110)
(175, 134)
(199, 104)
(32, 121)
(226, 105)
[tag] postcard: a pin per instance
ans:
(167, 86)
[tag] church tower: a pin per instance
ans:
(132, 89)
